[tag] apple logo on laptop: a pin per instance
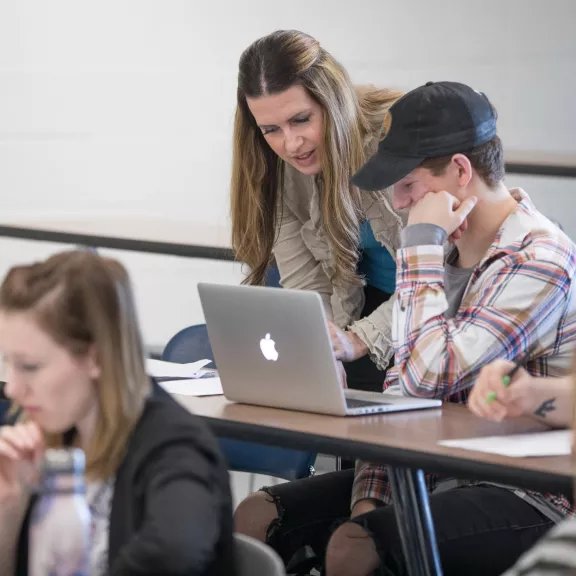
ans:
(268, 347)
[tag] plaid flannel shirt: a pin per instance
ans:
(519, 298)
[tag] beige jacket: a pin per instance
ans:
(305, 262)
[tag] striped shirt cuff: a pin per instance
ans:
(423, 235)
(370, 482)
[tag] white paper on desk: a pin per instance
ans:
(549, 443)
(161, 369)
(196, 387)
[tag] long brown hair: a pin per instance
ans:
(351, 115)
(85, 303)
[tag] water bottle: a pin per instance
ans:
(60, 523)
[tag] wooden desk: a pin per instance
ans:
(404, 438)
(407, 442)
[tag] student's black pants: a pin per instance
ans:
(481, 530)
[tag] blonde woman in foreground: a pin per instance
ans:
(550, 401)
(74, 363)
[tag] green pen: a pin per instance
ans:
(506, 379)
(491, 397)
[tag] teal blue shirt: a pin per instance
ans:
(376, 263)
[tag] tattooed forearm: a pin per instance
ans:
(545, 407)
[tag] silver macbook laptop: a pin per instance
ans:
(272, 348)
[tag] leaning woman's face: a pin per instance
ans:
(292, 124)
(55, 389)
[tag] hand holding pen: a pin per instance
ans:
(506, 380)
(493, 397)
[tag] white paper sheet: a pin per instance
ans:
(161, 369)
(549, 443)
(196, 387)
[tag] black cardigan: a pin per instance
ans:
(171, 510)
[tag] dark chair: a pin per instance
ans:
(256, 559)
(189, 345)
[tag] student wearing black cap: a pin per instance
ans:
(501, 290)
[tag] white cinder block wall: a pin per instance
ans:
(123, 108)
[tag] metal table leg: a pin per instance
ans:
(414, 519)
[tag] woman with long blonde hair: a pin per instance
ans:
(157, 485)
(301, 130)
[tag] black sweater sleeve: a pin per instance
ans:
(182, 516)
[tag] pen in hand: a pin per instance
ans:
(506, 379)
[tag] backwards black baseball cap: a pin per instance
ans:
(434, 120)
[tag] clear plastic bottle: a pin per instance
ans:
(60, 523)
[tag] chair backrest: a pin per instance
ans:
(191, 344)
(253, 558)
(255, 458)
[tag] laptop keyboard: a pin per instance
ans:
(355, 403)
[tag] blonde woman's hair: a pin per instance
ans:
(85, 304)
(351, 116)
